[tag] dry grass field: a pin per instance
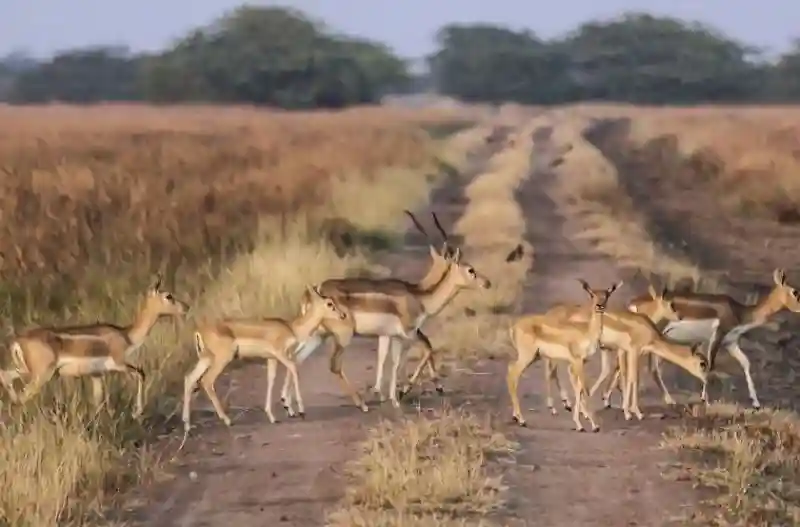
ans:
(227, 203)
(241, 208)
(707, 198)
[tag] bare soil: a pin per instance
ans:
(288, 474)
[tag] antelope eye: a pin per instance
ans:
(169, 297)
(471, 271)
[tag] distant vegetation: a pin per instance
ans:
(280, 57)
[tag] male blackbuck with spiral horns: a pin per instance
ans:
(721, 321)
(558, 338)
(340, 287)
(96, 349)
(394, 309)
(271, 339)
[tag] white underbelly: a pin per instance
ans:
(378, 324)
(691, 331)
(77, 366)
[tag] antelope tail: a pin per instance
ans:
(199, 347)
(18, 358)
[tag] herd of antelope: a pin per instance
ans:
(662, 325)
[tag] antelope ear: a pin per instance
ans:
(779, 276)
(585, 285)
(651, 291)
(445, 251)
(615, 287)
(434, 253)
(156, 287)
(457, 255)
(664, 292)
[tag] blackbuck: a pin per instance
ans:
(271, 339)
(656, 308)
(96, 349)
(440, 261)
(720, 321)
(557, 338)
(394, 309)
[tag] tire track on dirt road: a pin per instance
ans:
(563, 478)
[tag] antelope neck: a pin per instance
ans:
(144, 322)
(437, 297)
(596, 325)
(763, 309)
(305, 323)
(435, 275)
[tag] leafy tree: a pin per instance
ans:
(643, 58)
(481, 62)
(79, 76)
(272, 56)
(783, 82)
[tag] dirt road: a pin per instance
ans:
(289, 474)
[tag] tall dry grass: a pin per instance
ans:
(228, 202)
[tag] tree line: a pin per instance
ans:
(281, 57)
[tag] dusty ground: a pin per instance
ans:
(289, 474)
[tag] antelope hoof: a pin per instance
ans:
(756, 404)
(402, 393)
(301, 415)
(289, 411)
(520, 421)
(553, 410)
(227, 421)
(567, 405)
(595, 429)
(440, 389)
(580, 429)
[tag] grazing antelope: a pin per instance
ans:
(634, 335)
(720, 321)
(395, 309)
(655, 308)
(38, 354)
(273, 339)
(558, 338)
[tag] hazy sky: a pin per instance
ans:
(42, 27)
